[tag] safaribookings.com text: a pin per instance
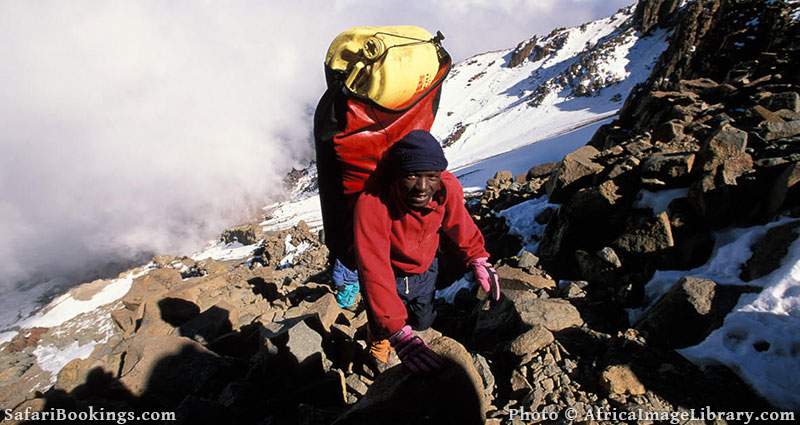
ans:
(674, 417)
(90, 415)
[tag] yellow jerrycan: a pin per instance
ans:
(389, 65)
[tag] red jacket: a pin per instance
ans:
(390, 237)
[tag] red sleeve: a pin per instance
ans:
(372, 228)
(458, 224)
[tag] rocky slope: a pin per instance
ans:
(256, 337)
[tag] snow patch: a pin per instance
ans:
(66, 307)
(449, 293)
(520, 219)
(288, 214)
(658, 201)
(760, 338)
(292, 251)
(52, 359)
(218, 250)
(7, 336)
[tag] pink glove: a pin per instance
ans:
(487, 277)
(413, 352)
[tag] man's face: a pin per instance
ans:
(417, 188)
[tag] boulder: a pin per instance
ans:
(645, 234)
(786, 100)
(525, 346)
(210, 324)
(541, 170)
(669, 132)
(512, 278)
(245, 234)
(688, 312)
(454, 394)
(150, 286)
(325, 309)
(528, 261)
(670, 168)
(552, 313)
(773, 130)
(770, 250)
(168, 368)
(784, 187)
(485, 371)
(620, 380)
(651, 14)
(574, 171)
(125, 320)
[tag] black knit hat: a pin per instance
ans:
(416, 151)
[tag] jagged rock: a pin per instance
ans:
(522, 52)
(574, 170)
(689, 312)
(162, 316)
(769, 251)
(783, 188)
(541, 170)
(452, 395)
(517, 279)
(529, 343)
(608, 255)
(245, 234)
(574, 289)
(325, 309)
(302, 342)
(95, 372)
(554, 314)
(669, 168)
(773, 130)
(499, 323)
(645, 234)
(355, 383)
(649, 14)
(485, 371)
(519, 384)
(125, 320)
(620, 380)
(150, 286)
(26, 339)
(694, 241)
(594, 268)
(638, 147)
(210, 324)
(13, 366)
(765, 114)
(778, 101)
(528, 262)
(172, 367)
(669, 132)
(726, 148)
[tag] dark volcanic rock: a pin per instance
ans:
(769, 251)
(574, 172)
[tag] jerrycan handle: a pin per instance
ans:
(354, 74)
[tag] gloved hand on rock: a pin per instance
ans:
(487, 277)
(413, 351)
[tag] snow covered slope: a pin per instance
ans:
(515, 108)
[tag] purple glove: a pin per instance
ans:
(487, 277)
(413, 352)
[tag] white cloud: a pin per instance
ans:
(148, 126)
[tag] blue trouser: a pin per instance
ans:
(416, 292)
